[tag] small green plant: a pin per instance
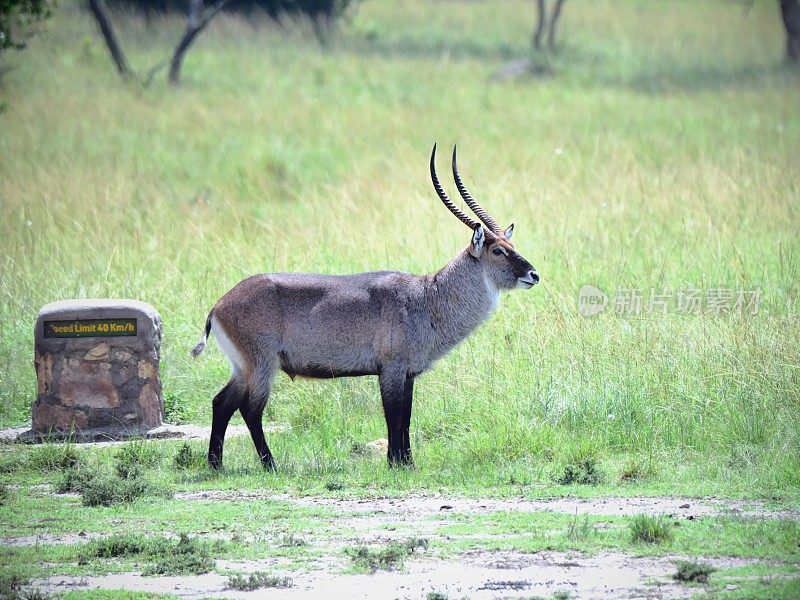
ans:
(334, 485)
(291, 540)
(580, 530)
(188, 457)
(583, 472)
(389, 558)
(134, 457)
(650, 529)
(690, 570)
(436, 595)
(256, 581)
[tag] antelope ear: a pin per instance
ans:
(509, 231)
(477, 241)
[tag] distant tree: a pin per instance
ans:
(790, 10)
(196, 20)
(546, 21)
(100, 12)
(18, 19)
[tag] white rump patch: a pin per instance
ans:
(227, 347)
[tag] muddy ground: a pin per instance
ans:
(474, 574)
(480, 575)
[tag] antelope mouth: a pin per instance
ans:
(527, 282)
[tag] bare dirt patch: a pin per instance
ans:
(479, 575)
(417, 506)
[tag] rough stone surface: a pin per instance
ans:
(98, 382)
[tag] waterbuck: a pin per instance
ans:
(386, 323)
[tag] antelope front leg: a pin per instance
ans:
(392, 380)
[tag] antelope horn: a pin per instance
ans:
(462, 216)
(474, 206)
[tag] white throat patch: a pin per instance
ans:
(493, 292)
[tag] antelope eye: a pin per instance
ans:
(497, 251)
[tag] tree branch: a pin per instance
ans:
(541, 20)
(196, 21)
(551, 33)
(103, 18)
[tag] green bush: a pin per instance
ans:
(584, 472)
(133, 457)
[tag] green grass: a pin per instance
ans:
(676, 130)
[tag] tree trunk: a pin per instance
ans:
(790, 10)
(551, 32)
(196, 21)
(101, 15)
(541, 21)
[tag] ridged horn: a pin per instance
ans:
(462, 216)
(472, 203)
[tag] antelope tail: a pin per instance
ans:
(201, 345)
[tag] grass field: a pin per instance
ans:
(661, 153)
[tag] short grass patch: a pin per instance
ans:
(53, 457)
(186, 556)
(247, 582)
(650, 529)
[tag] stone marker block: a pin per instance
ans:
(97, 366)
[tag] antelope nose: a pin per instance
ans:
(533, 275)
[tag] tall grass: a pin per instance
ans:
(662, 153)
